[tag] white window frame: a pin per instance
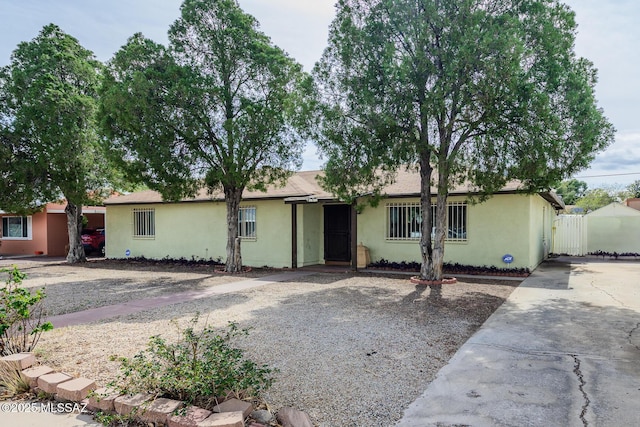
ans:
(408, 217)
(247, 223)
(29, 224)
(143, 225)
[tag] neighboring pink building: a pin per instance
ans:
(633, 203)
(43, 233)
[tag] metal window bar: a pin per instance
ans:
(144, 224)
(247, 222)
(404, 221)
(457, 221)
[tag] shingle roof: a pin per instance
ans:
(302, 185)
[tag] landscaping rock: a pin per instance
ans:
(49, 382)
(124, 405)
(223, 419)
(103, 399)
(75, 389)
(262, 416)
(290, 417)
(33, 373)
(191, 417)
(234, 405)
(20, 361)
(159, 410)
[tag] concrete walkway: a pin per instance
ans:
(105, 312)
(564, 350)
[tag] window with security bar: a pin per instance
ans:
(404, 221)
(144, 223)
(247, 222)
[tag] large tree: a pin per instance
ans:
(217, 108)
(48, 140)
(634, 189)
(595, 199)
(475, 91)
(571, 190)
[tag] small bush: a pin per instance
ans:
(199, 369)
(21, 315)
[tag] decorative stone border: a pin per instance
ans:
(445, 281)
(160, 412)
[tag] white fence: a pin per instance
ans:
(570, 235)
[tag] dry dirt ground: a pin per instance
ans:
(352, 350)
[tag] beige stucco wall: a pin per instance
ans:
(519, 225)
(542, 215)
(199, 230)
(310, 234)
(613, 228)
(498, 226)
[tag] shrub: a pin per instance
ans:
(200, 368)
(21, 315)
(12, 381)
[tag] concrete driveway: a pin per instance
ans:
(563, 350)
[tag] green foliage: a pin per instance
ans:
(634, 189)
(48, 139)
(200, 368)
(463, 91)
(595, 199)
(21, 315)
(220, 107)
(571, 190)
(117, 420)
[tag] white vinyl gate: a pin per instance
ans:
(570, 235)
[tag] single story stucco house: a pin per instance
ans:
(300, 224)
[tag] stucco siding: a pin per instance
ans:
(57, 234)
(540, 234)
(199, 230)
(36, 243)
(495, 227)
(310, 234)
(610, 234)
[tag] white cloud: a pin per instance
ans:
(619, 164)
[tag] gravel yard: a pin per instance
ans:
(352, 350)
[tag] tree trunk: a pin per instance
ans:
(441, 228)
(432, 250)
(74, 225)
(426, 250)
(233, 197)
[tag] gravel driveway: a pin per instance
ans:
(352, 350)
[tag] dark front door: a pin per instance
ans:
(337, 233)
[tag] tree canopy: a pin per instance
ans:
(634, 189)
(48, 139)
(595, 199)
(571, 190)
(217, 108)
(475, 91)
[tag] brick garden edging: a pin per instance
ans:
(64, 387)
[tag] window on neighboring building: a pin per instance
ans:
(404, 221)
(16, 227)
(144, 223)
(247, 222)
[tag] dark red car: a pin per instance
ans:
(93, 240)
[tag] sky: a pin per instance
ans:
(607, 35)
